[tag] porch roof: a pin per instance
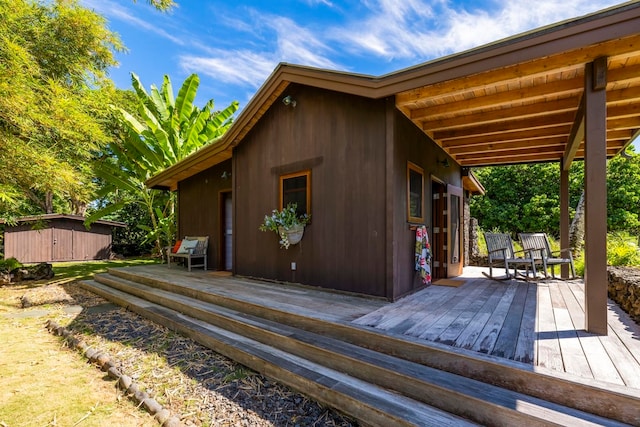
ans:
(519, 100)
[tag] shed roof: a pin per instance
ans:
(79, 218)
(518, 100)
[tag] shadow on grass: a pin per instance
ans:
(66, 272)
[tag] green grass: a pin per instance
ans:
(69, 271)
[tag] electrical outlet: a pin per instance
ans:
(293, 266)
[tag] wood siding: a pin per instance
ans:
(357, 149)
(412, 145)
(199, 207)
(60, 240)
(341, 138)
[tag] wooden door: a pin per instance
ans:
(454, 227)
(438, 241)
(226, 238)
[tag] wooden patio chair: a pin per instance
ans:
(539, 244)
(502, 253)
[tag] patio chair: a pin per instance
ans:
(539, 244)
(502, 253)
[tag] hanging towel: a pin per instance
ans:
(423, 254)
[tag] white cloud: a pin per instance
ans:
(285, 42)
(112, 10)
(232, 67)
(421, 29)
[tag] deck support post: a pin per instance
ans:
(595, 181)
(564, 216)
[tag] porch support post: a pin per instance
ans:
(564, 215)
(595, 169)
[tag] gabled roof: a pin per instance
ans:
(518, 100)
(78, 218)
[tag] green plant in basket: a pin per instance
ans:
(284, 223)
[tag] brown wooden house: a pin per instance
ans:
(58, 237)
(375, 156)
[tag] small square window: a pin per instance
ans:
(415, 193)
(296, 188)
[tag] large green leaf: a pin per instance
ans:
(186, 96)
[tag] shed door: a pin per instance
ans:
(62, 241)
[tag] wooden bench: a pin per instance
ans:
(191, 251)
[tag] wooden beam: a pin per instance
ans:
(505, 114)
(563, 62)
(600, 73)
(496, 128)
(537, 93)
(595, 172)
(460, 137)
(564, 216)
(575, 137)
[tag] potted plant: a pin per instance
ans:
(287, 224)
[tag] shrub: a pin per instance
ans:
(9, 264)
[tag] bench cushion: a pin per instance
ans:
(186, 246)
(176, 247)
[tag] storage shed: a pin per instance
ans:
(58, 237)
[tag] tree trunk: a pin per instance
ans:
(48, 202)
(576, 230)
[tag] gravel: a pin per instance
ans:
(194, 383)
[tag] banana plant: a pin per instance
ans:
(164, 130)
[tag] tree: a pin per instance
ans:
(522, 198)
(163, 131)
(526, 197)
(53, 61)
(623, 193)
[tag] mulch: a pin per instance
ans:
(197, 385)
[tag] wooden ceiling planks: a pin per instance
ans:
(525, 112)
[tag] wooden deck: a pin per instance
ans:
(444, 352)
(536, 323)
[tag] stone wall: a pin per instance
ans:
(624, 288)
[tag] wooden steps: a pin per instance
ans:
(459, 383)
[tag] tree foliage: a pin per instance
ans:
(525, 198)
(164, 130)
(53, 62)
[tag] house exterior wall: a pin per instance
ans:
(340, 138)
(359, 239)
(59, 240)
(198, 207)
(412, 145)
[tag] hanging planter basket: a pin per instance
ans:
(293, 234)
(287, 224)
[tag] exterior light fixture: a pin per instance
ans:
(444, 163)
(288, 100)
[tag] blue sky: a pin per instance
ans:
(234, 45)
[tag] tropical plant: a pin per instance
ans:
(283, 221)
(163, 131)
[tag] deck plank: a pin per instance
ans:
(473, 291)
(489, 334)
(451, 333)
(470, 334)
(597, 357)
(549, 354)
(526, 345)
(574, 359)
(507, 340)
